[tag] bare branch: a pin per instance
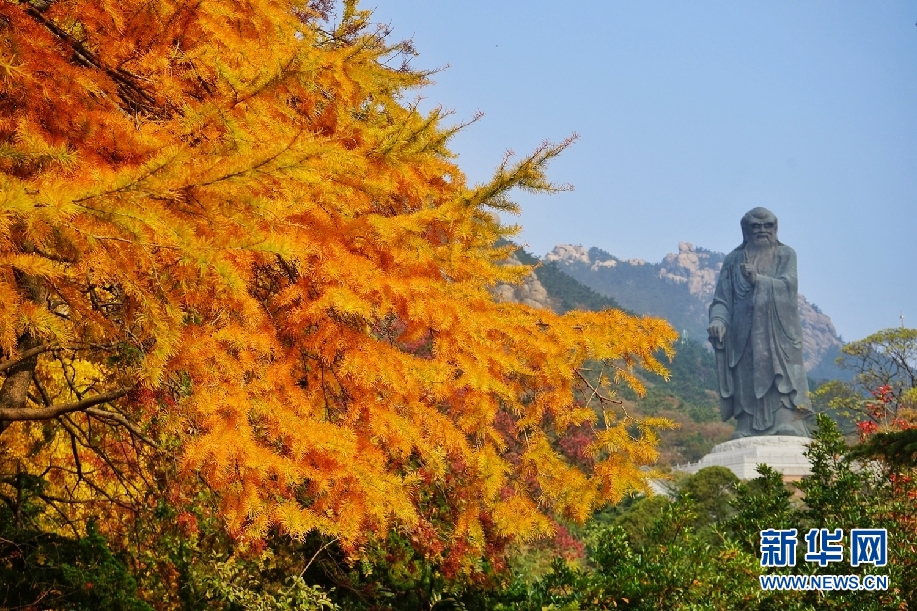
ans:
(119, 418)
(21, 414)
(26, 354)
(595, 391)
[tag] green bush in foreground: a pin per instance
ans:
(690, 553)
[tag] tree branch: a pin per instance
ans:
(26, 354)
(21, 414)
(119, 418)
(134, 96)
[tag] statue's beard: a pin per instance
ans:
(761, 256)
(767, 247)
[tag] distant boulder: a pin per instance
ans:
(531, 292)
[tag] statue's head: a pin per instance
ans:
(759, 227)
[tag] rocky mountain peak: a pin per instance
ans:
(696, 269)
(569, 253)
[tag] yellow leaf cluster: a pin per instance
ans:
(233, 207)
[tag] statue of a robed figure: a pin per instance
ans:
(756, 334)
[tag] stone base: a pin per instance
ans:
(742, 456)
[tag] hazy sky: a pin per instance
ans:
(689, 114)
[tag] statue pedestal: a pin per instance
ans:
(782, 453)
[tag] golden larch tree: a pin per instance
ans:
(227, 238)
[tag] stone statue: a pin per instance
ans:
(755, 332)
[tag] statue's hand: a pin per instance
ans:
(717, 331)
(749, 271)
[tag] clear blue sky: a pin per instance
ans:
(689, 114)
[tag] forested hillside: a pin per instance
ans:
(567, 293)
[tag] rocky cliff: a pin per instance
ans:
(531, 292)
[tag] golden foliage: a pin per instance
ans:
(235, 212)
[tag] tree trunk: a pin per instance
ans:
(15, 387)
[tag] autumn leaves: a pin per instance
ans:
(286, 260)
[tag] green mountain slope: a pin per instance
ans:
(567, 292)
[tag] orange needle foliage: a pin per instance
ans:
(234, 212)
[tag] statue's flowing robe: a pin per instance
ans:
(759, 362)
